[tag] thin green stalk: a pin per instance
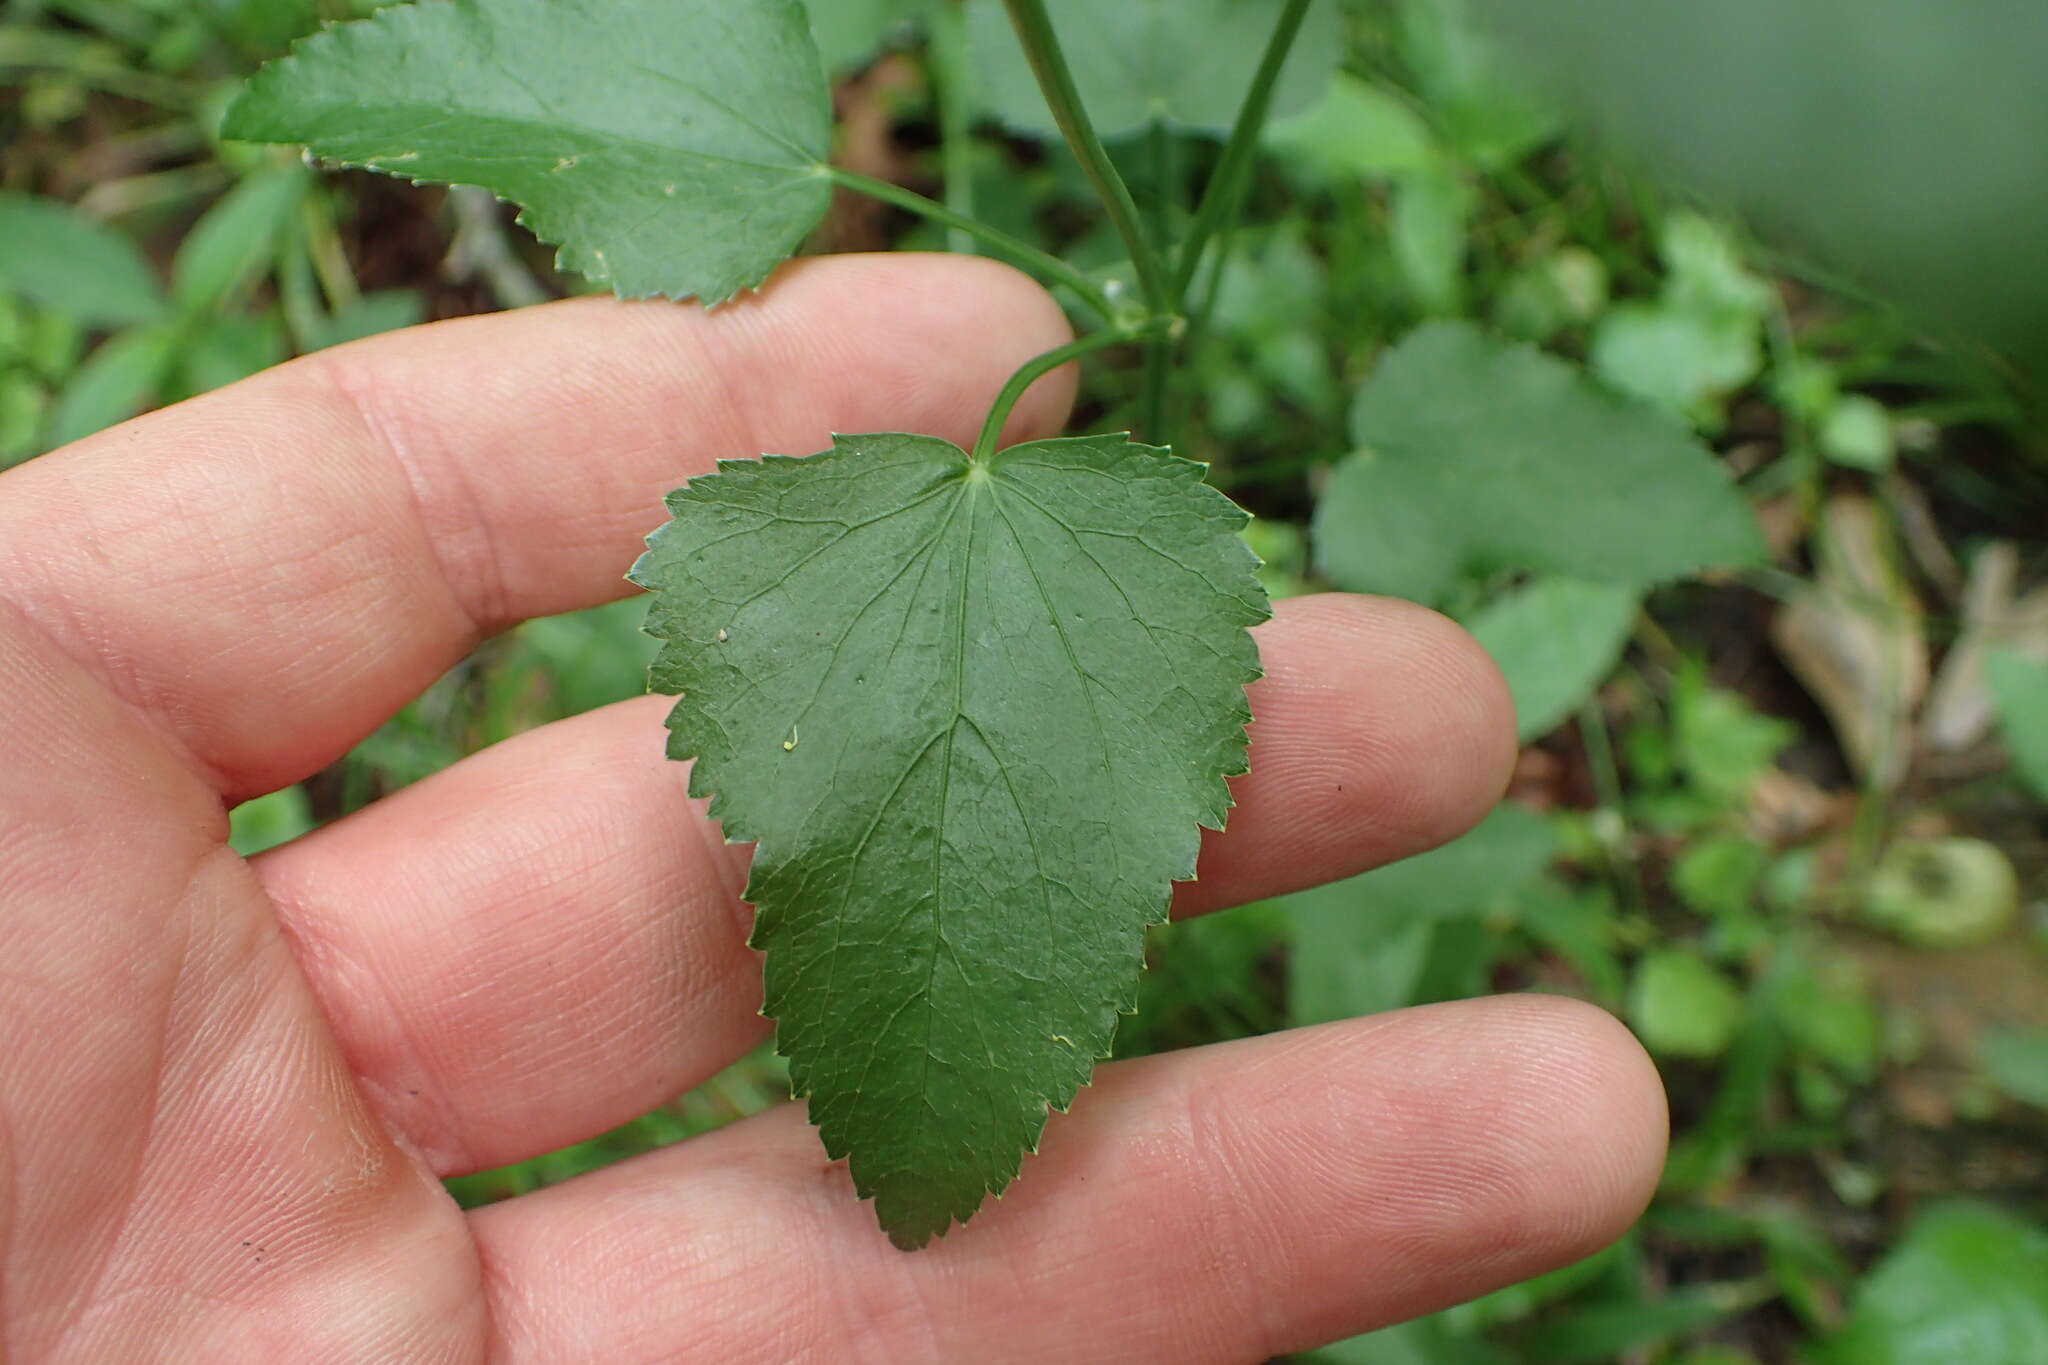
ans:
(1599, 742)
(298, 299)
(1155, 402)
(1155, 397)
(1042, 46)
(1196, 338)
(1225, 192)
(329, 257)
(1159, 169)
(951, 80)
(1022, 252)
(1037, 369)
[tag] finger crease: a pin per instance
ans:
(478, 596)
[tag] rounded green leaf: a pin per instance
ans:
(1683, 1006)
(1969, 1282)
(1478, 456)
(1556, 640)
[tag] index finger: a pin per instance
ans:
(269, 572)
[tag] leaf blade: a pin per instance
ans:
(667, 149)
(893, 663)
(58, 258)
(1479, 456)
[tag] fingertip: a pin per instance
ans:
(1590, 1122)
(1382, 730)
(1455, 717)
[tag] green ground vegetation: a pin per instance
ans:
(1757, 549)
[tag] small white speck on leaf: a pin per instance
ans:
(723, 635)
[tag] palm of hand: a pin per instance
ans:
(229, 1089)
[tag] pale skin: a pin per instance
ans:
(228, 1088)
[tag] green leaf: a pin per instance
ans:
(1556, 639)
(1683, 362)
(1607, 1331)
(2019, 684)
(387, 310)
(671, 147)
(236, 240)
(261, 825)
(1858, 433)
(2016, 1060)
(1479, 456)
(1490, 116)
(972, 714)
(848, 32)
(54, 256)
(1355, 131)
(1363, 945)
(228, 350)
(1825, 1007)
(116, 382)
(23, 405)
(1567, 288)
(1426, 229)
(1718, 875)
(1723, 745)
(1703, 337)
(1682, 1006)
(1968, 1283)
(1186, 63)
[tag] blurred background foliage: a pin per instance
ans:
(1689, 354)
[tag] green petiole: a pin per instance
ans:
(1227, 184)
(1041, 366)
(1042, 47)
(1021, 252)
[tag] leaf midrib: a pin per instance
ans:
(810, 165)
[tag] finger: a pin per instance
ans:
(547, 939)
(270, 571)
(1226, 1204)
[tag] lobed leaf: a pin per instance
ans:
(669, 147)
(973, 716)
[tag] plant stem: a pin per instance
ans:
(951, 80)
(1042, 46)
(1041, 366)
(329, 258)
(1196, 337)
(1020, 251)
(1154, 398)
(1620, 849)
(1225, 192)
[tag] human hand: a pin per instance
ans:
(228, 1088)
